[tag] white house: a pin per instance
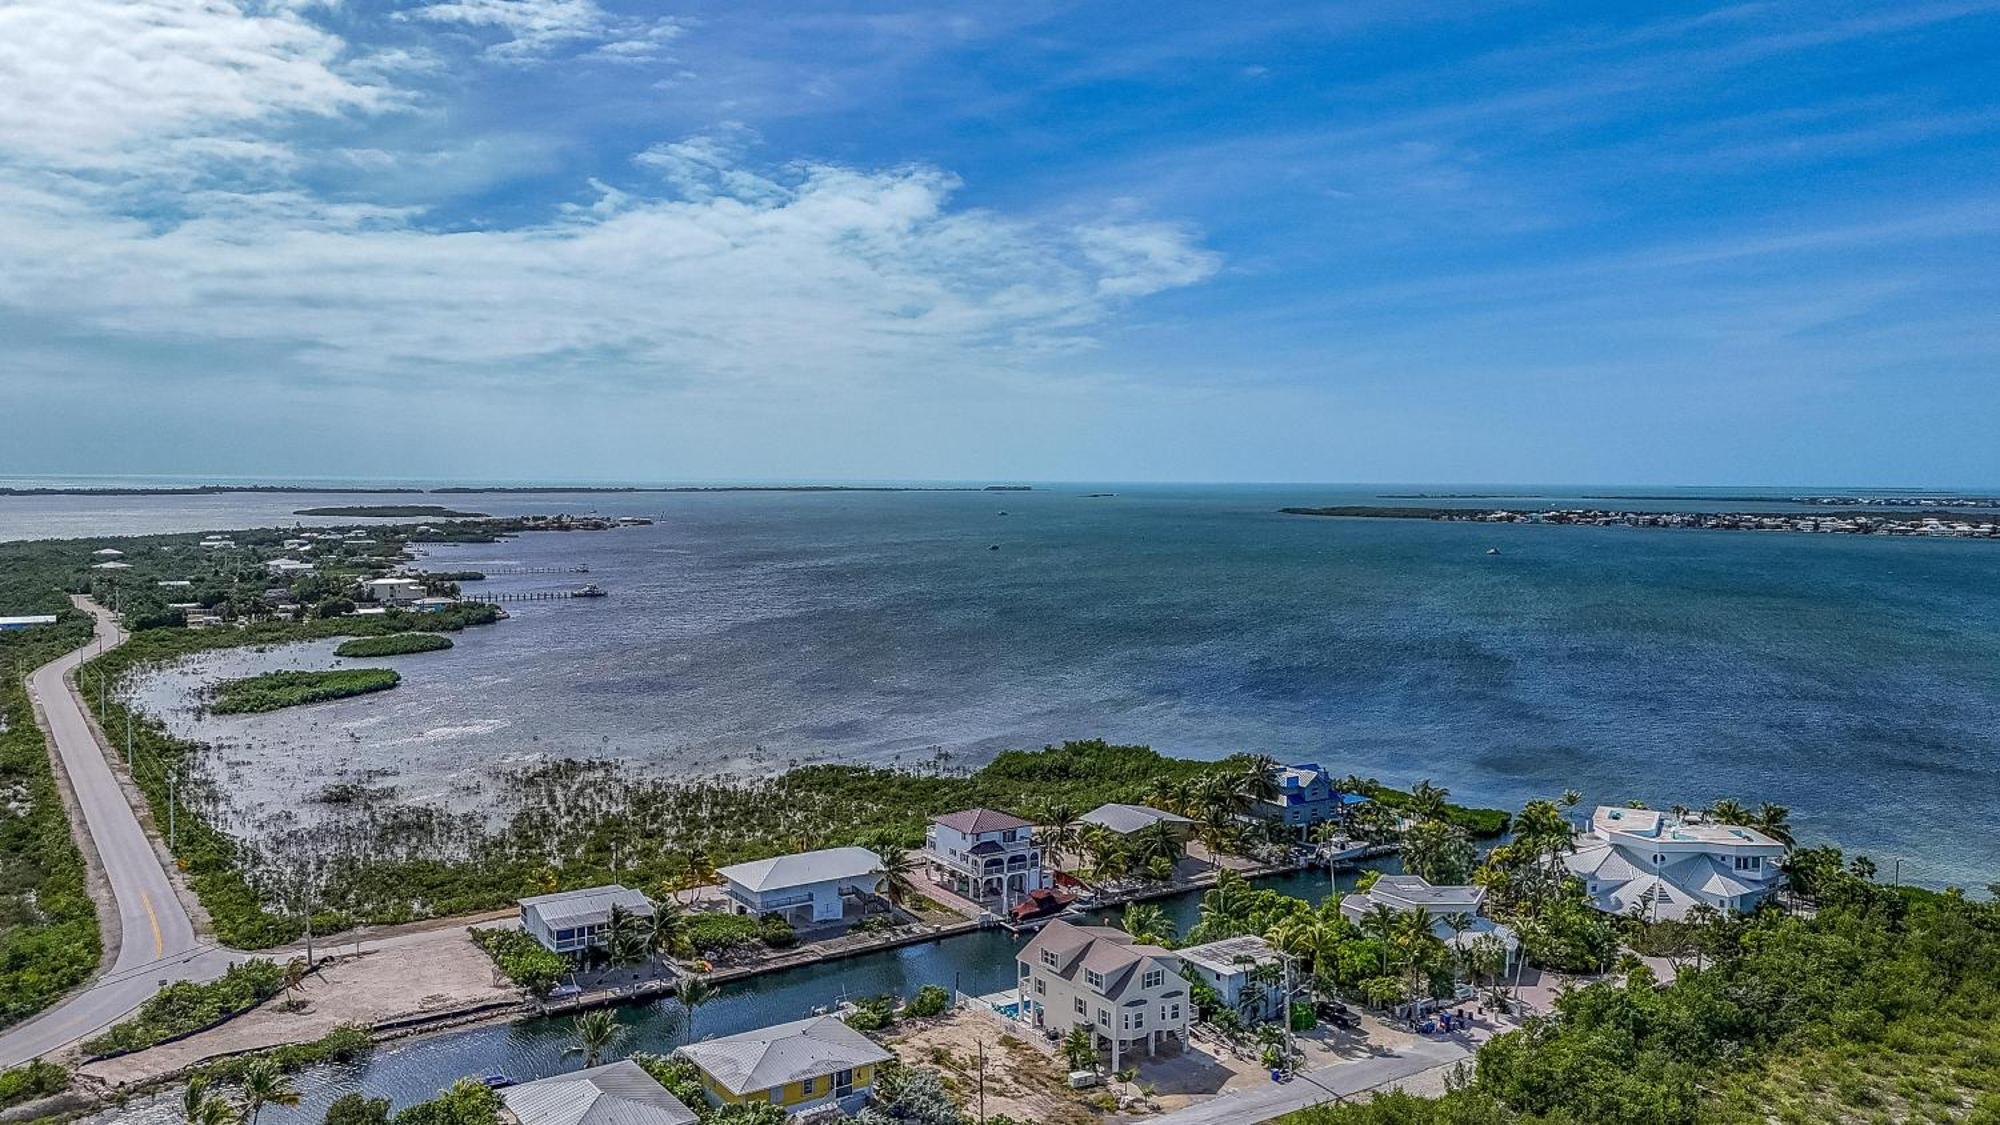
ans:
(574, 921)
(282, 567)
(392, 589)
(1660, 866)
(1130, 996)
(1444, 902)
(619, 1093)
(108, 553)
(25, 620)
(808, 887)
(1128, 820)
(1239, 970)
(986, 856)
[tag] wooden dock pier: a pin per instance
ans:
(537, 595)
(504, 571)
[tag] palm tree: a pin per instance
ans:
(1148, 924)
(667, 936)
(1216, 826)
(1570, 799)
(1427, 800)
(294, 981)
(1728, 810)
(1057, 831)
(626, 937)
(697, 871)
(1459, 921)
(1774, 821)
(1079, 1048)
(692, 993)
(1380, 924)
(264, 1084)
(597, 1031)
(897, 866)
(1157, 841)
(203, 1107)
(1543, 830)
(1104, 848)
(1167, 794)
(1256, 782)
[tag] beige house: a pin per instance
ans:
(1130, 995)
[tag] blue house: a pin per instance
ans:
(1307, 797)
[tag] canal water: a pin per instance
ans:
(413, 1070)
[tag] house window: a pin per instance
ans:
(1171, 1013)
(809, 1086)
(1082, 1009)
(1049, 958)
(1135, 1020)
(1025, 970)
(1154, 978)
(1094, 979)
(1104, 1017)
(1749, 862)
(1040, 988)
(843, 1083)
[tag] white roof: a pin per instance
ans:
(789, 1052)
(30, 619)
(392, 582)
(113, 565)
(1127, 819)
(803, 869)
(587, 905)
(1231, 955)
(621, 1093)
(107, 552)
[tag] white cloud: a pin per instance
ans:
(534, 29)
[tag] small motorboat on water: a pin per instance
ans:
(1492, 550)
(591, 591)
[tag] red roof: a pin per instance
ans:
(978, 822)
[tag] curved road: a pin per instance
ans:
(156, 939)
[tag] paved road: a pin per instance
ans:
(1319, 1085)
(156, 938)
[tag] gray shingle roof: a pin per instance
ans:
(620, 1093)
(788, 1052)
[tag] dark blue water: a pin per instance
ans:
(413, 1070)
(1855, 679)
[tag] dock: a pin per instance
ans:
(507, 570)
(537, 595)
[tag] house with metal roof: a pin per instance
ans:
(619, 1093)
(986, 856)
(1660, 866)
(804, 888)
(1129, 994)
(1454, 909)
(1308, 796)
(575, 921)
(1127, 820)
(803, 1065)
(1242, 971)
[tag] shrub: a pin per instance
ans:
(468, 1102)
(714, 932)
(358, 1109)
(345, 1043)
(775, 932)
(185, 1007)
(873, 1013)
(930, 1000)
(395, 644)
(521, 959)
(681, 1077)
(37, 1079)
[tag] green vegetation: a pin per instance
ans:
(521, 959)
(357, 1109)
(930, 1000)
(394, 644)
(37, 1079)
(273, 690)
(345, 1043)
(48, 926)
(468, 1102)
(184, 1008)
(405, 511)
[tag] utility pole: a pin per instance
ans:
(982, 1081)
(173, 775)
(129, 767)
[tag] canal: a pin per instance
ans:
(414, 1069)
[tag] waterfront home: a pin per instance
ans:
(1241, 971)
(1659, 865)
(1130, 820)
(985, 856)
(1307, 798)
(392, 589)
(803, 1066)
(807, 888)
(1446, 903)
(619, 1093)
(573, 922)
(1129, 995)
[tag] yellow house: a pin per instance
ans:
(800, 1065)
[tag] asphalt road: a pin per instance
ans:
(157, 942)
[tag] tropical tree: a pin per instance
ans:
(294, 980)
(597, 1032)
(1440, 853)
(1728, 810)
(1570, 799)
(1104, 848)
(898, 865)
(1148, 924)
(1427, 801)
(1056, 830)
(1157, 840)
(1256, 781)
(692, 993)
(627, 937)
(1216, 827)
(1169, 795)
(1774, 821)
(201, 1105)
(667, 934)
(1079, 1048)
(1547, 835)
(264, 1084)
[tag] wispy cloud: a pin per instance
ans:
(530, 30)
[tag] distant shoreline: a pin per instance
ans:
(1932, 523)
(473, 490)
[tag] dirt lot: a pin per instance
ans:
(366, 989)
(1022, 1081)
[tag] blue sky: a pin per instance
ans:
(581, 239)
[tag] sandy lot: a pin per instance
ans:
(368, 989)
(1022, 1081)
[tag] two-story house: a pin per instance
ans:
(1130, 996)
(1307, 798)
(985, 856)
(1660, 866)
(575, 922)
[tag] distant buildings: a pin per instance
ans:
(1307, 798)
(807, 888)
(574, 921)
(282, 567)
(620, 1093)
(1445, 903)
(1131, 996)
(986, 856)
(800, 1066)
(392, 590)
(1659, 866)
